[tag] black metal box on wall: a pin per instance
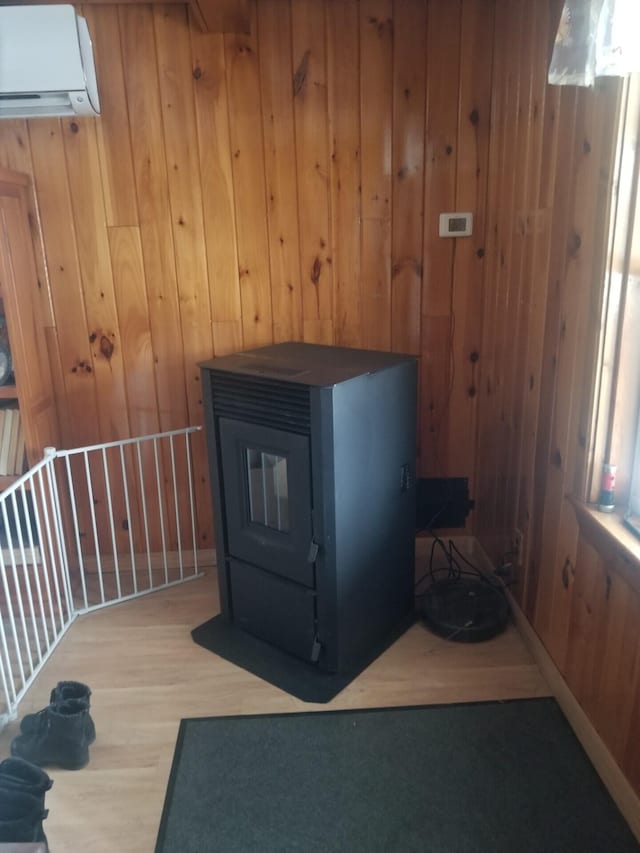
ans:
(312, 451)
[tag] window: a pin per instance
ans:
(617, 411)
(632, 516)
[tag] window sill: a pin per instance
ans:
(613, 541)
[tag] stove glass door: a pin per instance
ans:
(267, 486)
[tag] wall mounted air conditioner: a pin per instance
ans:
(46, 63)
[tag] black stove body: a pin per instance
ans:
(312, 451)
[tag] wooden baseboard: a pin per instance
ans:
(206, 559)
(605, 764)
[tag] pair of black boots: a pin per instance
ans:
(59, 734)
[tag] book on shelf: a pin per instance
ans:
(16, 428)
(5, 439)
(19, 465)
(12, 445)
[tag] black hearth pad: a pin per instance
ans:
(290, 674)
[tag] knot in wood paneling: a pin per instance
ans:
(383, 26)
(575, 243)
(300, 76)
(412, 264)
(106, 347)
(316, 270)
(82, 367)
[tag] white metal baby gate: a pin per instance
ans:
(84, 529)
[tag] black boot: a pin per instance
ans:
(17, 774)
(61, 738)
(62, 690)
(21, 816)
(22, 777)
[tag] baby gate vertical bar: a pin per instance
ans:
(116, 565)
(9, 694)
(144, 515)
(50, 455)
(14, 571)
(95, 527)
(76, 529)
(162, 533)
(34, 562)
(193, 514)
(123, 465)
(43, 553)
(25, 577)
(175, 501)
(14, 631)
(51, 548)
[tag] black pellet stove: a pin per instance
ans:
(312, 452)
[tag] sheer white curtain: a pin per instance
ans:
(596, 38)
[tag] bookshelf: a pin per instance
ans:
(8, 392)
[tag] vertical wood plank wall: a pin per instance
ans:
(286, 184)
(244, 189)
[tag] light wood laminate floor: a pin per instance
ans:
(146, 674)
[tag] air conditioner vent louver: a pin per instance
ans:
(282, 405)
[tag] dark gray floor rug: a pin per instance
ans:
(487, 777)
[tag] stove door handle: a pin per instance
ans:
(312, 556)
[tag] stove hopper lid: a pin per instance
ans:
(307, 364)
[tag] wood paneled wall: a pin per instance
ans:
(550, 178)
(245, 189)
(597, 649)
